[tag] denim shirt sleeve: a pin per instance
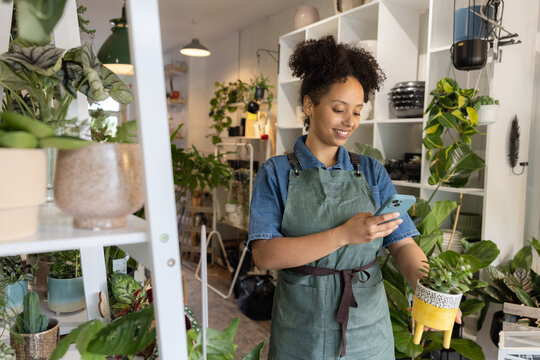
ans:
(381, 190)
(267, 204)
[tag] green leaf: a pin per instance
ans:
(459, 165)
(123, 288)
(396, 296)
(127, 336)
(403, 342)
(37, 19)
(448, 120)
(80, 332)
(473, 115)
(43, 60)
(427, 242)
(524, 297)
(471, 306)
(230, 332)
(433, 220)
(370, 151)
(485, 251)
(523, 259)
(432, 141)
(468, 349)
(447, 85)
(255, 353)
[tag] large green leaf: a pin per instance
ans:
(124, 287)
(468, 349)
(10, 79)
(403, 342)
(396, 296)
(523, 259)
(524, 297)
(255, 353)
(457, 166)
(81, 332)
(471, 306)
(391, 273)
(427, 242)
(44, 60)
(433, 220)
(37, 19)
(485, 251)
(448, 120)
(126, 336)
(432, 141)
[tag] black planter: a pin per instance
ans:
(252, 107)
(496, 327)
(469, 54)
(259, 92)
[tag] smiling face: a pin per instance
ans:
(336, 116)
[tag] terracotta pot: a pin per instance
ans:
(36, 346)
(22, 189)
(100, 184)
(305, 15)
(435, 310)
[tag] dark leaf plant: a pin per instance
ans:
(14, 270)
(67, 265)
(451, 125)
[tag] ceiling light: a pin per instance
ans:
(195, 48)
(114, 52)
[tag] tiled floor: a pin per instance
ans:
(222, 311)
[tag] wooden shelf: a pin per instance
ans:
(176, 101)
(56, 233)
(174, 70)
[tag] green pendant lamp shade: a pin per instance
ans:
(195, 48)
(114, 52)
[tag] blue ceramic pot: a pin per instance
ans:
(15, 295)
(66, 295)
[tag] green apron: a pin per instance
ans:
(304, 322)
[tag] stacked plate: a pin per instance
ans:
(407, 99)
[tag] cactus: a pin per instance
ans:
(31, 320)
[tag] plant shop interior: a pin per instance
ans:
(132, 134)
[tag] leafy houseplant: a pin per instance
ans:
(34, 335)
(438, 294)
(448, 134)
(228, 98)
(487, 109)
(14, 279)
(65, 283)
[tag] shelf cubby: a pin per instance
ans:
(359, 24)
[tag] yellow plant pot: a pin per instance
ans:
(435, 310)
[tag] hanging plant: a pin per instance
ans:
(452, 123)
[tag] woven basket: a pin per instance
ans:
(469, 224)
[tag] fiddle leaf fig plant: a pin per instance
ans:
(448, 134)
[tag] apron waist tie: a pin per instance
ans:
(347, 295)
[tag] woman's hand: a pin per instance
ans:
(364, 227)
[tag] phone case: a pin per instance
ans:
(396, 203)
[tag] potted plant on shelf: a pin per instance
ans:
(6, 352)
(65, 283)
(34, 335)
(487, 109)
(14, 280)
(107, 174)
(437, 296)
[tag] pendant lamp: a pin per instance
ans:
(195, 48)
(469, 49)
(114, 52)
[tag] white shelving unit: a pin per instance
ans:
(413, 43)
(153, 242)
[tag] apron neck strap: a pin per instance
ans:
(293, 161)
(355, 160)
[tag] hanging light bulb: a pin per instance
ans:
(114, 52)
(195, 48)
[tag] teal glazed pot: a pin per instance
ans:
(15, 295)
(66, 295)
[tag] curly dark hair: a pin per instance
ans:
(320, 63)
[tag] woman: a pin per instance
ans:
(311, 218)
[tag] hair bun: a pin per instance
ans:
(306, 59)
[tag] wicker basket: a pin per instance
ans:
(469, 224)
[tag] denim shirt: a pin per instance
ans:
(272, 181)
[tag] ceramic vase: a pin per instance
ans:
(100, 184)
(435, 310)
(305, 15)
(36, 346)
(22, 190)
(15, 295)
(65, 295)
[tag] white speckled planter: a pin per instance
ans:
(100, 184)
(438, 299)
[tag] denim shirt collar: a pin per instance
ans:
(307, 160)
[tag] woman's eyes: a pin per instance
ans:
(339, 111)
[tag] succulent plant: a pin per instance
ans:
(6, 352)
(450, 273)
(31, 320)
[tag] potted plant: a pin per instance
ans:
(34, 335)
(452, 123)
(65, 283)
(6, 352)
(438, 294)
(487, 109)
(14, 280)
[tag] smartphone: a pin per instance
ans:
(396, 203)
